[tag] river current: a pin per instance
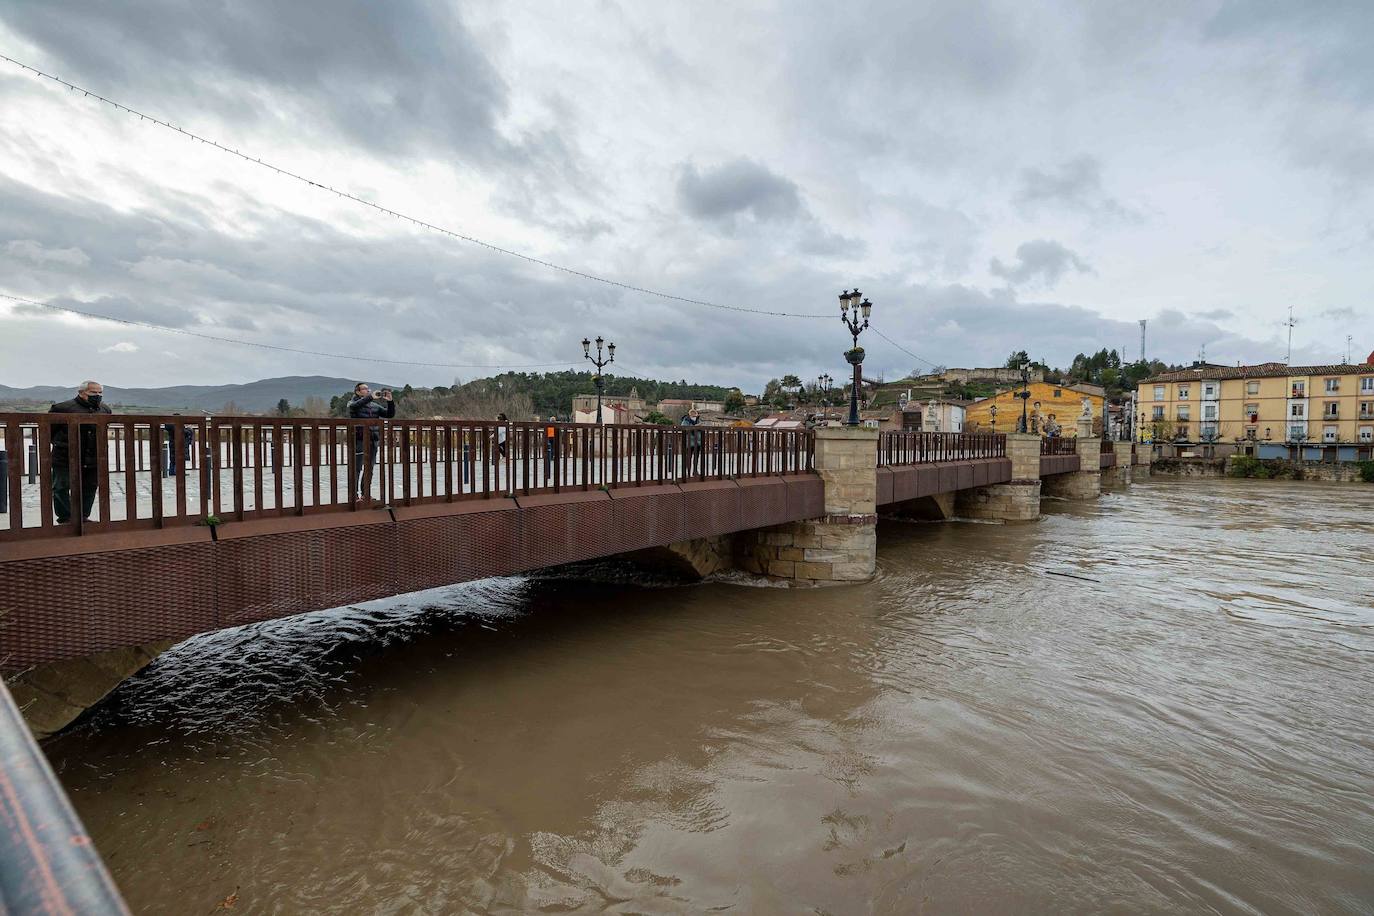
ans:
(1159, 702)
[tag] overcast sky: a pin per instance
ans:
(993, 175)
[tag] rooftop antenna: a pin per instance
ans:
(1142, 339)
(1290, 322)
(1347, 350)
(1202, 353)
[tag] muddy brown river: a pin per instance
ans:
(1156, 703)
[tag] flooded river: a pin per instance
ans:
(1158, 702)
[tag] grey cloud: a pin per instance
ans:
(1216, 314)
(1041, 261)
(1342, 313)
(737, 187)
(1075, 184)
(29, 250)
(393, 76)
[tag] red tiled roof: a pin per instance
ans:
(1261, 370)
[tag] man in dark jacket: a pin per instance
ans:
(366, 407)
(693, 437)
(87, 401)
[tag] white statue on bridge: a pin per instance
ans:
(1087, 409)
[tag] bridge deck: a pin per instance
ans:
(444, 504)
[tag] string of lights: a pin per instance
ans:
(905, 350)
(424, 224)
(266, 346)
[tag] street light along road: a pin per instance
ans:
(598, 362)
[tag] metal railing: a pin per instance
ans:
(143, 472)
(899, 448)
(47, 861)
(1058, 445)
(1107, 447)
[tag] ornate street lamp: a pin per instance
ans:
(855, 356)
(598, 362)
(992, 412)
(823, 386)
(1024, 395)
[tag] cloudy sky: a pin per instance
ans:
(993, 175)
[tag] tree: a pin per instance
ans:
(283, 408)
(1018, 357)
(315, 407)
(734, 401)
(654, 416)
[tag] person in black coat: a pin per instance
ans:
(87, 401)
(364, 406)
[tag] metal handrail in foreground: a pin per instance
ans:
(901, 448)
(48, 863)
(153, 472)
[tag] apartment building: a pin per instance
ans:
(1271, 410)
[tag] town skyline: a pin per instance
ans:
(1128, 191)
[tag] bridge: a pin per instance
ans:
(200, 524)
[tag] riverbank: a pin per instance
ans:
(1263, 469)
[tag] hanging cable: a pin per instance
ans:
(905, 350)
(411, 219)
(266, 346)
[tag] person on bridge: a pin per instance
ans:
(694, 453)
(366, 407)
(550, 446)
(188, 435)
(87, 401)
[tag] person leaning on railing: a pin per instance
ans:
(694, 451)
(366, 407)
(87, 401)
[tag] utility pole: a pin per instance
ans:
(1142, 339)
(1288, 359)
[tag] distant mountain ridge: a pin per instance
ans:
(256, 397)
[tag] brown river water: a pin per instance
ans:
(1184, 728)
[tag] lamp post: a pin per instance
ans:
(992, 412)
(823, 383)
(598, 362)
(855, 325)
(1024, 395)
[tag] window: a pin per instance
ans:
(1367, 410)
(1367, 433)
(1333, 384)
(1058, 392)
(1159, 392)
(1158, 413)
(1209, 390)
(1184, 413)
(1183, 392)
(1209, 412)
(1331, 409)
(1252, 432)
(1367, 384)
(1252, 413)
(1328, 434)
(1297, 411)
(1299, 389)
(1297, 433)
(1252, 387)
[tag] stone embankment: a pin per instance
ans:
(1259, 468)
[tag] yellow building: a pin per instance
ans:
(1060, 403)
(1269, 409)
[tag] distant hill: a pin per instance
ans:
(255, 397)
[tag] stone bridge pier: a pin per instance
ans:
(840, 546)
(1018, 500)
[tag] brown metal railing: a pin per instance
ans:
(1058, 445)
(159, 471)
(1107, 447)
(898, 448)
